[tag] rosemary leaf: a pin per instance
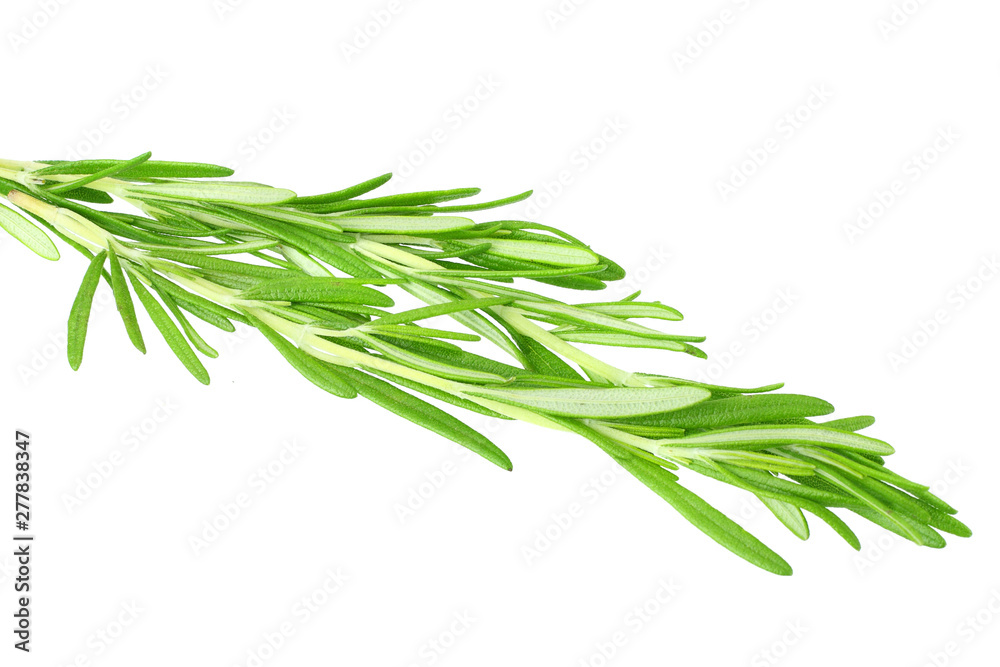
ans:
(79, 315)
(171, 334)
(123, 302)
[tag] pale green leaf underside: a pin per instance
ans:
(597, 402)
(545, 253)
(789, 515)
(228, 192)
(28, 233)
(620, 340)
(403, 224)
(656, 311)
(774, 435)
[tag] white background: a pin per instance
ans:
(324, 117)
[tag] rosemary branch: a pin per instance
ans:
(306, 272)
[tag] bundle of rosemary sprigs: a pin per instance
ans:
(305, 272)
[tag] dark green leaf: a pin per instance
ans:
(175, 339)
(79, 315)
(107, 172)
(424, 414)
(407, 199)
(123, 302)
(223, 265)
(738, 410)
(346, 193)
(706, 518)
(147, 170)
(440, 309)
(310, 289)
(325, 376)
(90, 196)
(192, 334)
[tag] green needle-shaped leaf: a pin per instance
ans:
(703, 516)
(311, 289)
(89, 196)
(788, 494)
(438, 310)
(410, 331)
(789, 515)
(563, 314)
(222, 192)
(850, 423)
(778, 434)
(223, 265)
(323, 375)
(556, 254)
(429, 365)
(217, 248)
(424, 414)
(737, 410)
(346, 193)
(621, 340)
(439, 394)
(143, 171)
(472, 319)
(79, 315)
(175, 339)
(626, 310)
(192, 334)
(27, 233)
(124, 304)
(70, 186)
(599, 402)
(385, 224)
(541, 359)
(718, 526)
(391, 201)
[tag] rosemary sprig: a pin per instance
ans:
(311, 274)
